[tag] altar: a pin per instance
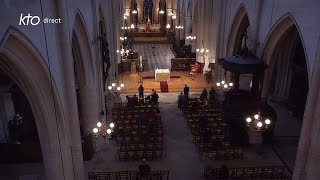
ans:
(162, 75)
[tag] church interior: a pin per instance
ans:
(159, 89)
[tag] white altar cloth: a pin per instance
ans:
(162, 75)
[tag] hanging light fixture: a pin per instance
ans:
(134, 11)
(168, 26)
(132, 26)
(161, 11)
(224, 85)
(117, 89)
(174, 17)
(202, 51)
(179, 27)
(103, 129)
(171, 13)
(259, 122)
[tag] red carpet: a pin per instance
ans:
(164, 87)
(152, 77)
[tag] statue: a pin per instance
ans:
(105, 55)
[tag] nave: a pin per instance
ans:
(180, 154)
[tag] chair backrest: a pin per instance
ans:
(92, 176)
(102, 175)
(164, 174)
(112, 176)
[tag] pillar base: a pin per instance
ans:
(255, 137)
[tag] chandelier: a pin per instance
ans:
(191, 38)
(103, 129)
(134, 11)
(171, 13)
(161, 11)
(203, 51)
(223, 85)
(174, 17)
(117, 89)
(179, 27)
(258, 121)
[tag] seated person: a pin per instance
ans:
(154, 97)
(135, 100)
(130, 102)
(144, 169)
(204, 95)
(195, 68)
(212, 94)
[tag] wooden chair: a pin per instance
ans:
(134, 175)
(92, 176)
(164, 175)
(102, 175)
(155, 175)
(123, 175)
(112, 176)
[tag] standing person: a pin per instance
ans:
(141, 89)
(186, 91)
(212, 93)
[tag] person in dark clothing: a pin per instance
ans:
(212, 94)
(141, 89)
(223, 172)
(204, 94)
(186, 90)
(144, 169)
(130, 102)
(154, 97)
(135, 100)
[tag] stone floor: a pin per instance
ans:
(158, 55)
(180, 155)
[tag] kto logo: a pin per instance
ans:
(25, 20)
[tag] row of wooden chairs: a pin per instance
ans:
(150, 155)
(127, 175)
(141, 146)
(222, 154)
(158, 138)
(264, 172)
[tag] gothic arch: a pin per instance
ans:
(270, 48)
(239, 26)
(81, 33)
(21, 61)
(84, 68)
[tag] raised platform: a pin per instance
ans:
(174, 85)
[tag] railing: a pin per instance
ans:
(182, 64)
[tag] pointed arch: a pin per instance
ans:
(280, 28)
(86, 81)
(21, 61)
(238, 27)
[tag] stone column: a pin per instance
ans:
(8, 112)
(307, 159)
(73, 167)
(188, 28)
(88, 113)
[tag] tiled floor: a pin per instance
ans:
(158, 55)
